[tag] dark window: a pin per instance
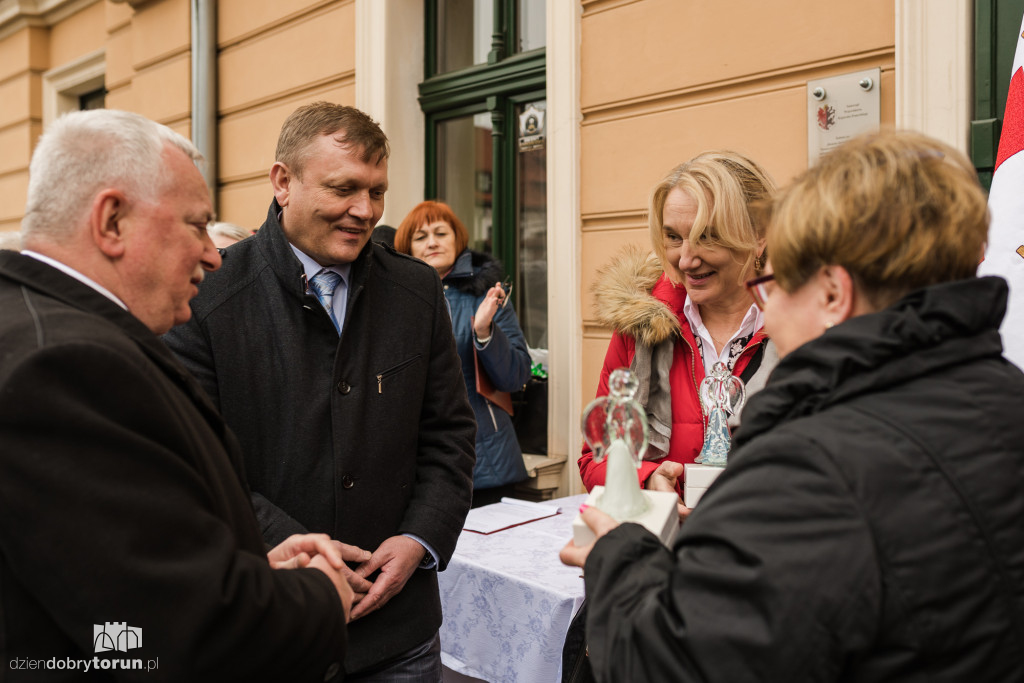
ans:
(94, 99)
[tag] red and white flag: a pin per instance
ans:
(1005, 253)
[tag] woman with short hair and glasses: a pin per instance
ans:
(868, 525)
(678, 311)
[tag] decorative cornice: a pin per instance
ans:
(18, 14)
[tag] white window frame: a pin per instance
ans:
(63, 85)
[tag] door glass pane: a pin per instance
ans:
(464, 174)
(531, 222)
(464, 29)
(531, 25)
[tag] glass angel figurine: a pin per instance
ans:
(615, 427)
(721, 394)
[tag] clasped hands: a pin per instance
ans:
(396, 558)
(664, 478)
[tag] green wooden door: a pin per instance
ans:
(483, 95)
(997, 24)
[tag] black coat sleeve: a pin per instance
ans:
(116, 505)
(192, 347)
(773, 578)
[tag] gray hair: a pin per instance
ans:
(84, 152)
(10, 240)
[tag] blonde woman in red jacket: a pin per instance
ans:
(682, 309)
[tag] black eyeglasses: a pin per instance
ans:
(757, 289)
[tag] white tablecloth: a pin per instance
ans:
(508, 600)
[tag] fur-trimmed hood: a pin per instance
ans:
(475, 272)
(624, 298)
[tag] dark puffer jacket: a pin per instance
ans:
(499, 459)
(869, 526)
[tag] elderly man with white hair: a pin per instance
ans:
(123, 509)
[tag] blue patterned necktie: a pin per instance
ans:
(323, 284)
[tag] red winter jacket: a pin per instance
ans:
(627, 303)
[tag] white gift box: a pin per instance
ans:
(661, 517)
(697, 479)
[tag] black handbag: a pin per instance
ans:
(530, 418)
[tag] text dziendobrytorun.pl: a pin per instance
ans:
(84, 665)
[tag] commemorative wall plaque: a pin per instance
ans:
(840, 108)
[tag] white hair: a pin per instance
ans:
(230, 230)
(84, 152)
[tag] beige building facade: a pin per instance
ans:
(633, 87)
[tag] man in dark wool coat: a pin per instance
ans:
(128, 545)
(332, 358)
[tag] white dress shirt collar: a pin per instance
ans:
(752, 321)
(84, 279)
(311, 267)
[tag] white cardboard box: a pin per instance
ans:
(661, 518)
(696, 480)
(692, 495)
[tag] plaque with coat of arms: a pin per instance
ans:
(840, 108)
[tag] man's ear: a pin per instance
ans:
(840, 296)
(281, 178)
(107, 222)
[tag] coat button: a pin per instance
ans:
(332, 671)
(347, 481)
(344, 388)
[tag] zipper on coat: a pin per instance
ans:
(490, 409)
(392, 371)
(693, 376)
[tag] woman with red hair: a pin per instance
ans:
(487, 334)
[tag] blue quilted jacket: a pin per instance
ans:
(499, 459)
